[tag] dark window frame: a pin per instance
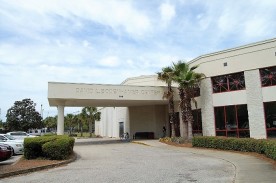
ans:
(197, 121)
(268, 76)
(228, 128)
(228, 82)
(270, 118)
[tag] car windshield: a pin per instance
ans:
(18, 134)
(10, 137)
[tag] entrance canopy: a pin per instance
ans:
(80, 95)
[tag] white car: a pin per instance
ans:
(20, 135)
(10, 138)
(17, 146)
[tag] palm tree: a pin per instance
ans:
(50, 122)
(187, 80)
(69, 122)
(166, 75)
(92, 115)
(80, 118)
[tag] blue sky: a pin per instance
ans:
(107, 41)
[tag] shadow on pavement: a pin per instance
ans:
(100, 142)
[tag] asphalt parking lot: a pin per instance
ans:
(10, 161)
(130, 162)
(109, 160)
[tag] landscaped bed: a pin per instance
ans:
(262, 149)
(41, 153)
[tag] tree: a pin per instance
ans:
(70, 122)
(166, 75)
(23, 116)
(50, 122)
(91, 114)
(187, 80)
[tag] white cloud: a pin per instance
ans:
(110, 61)
(54, 52)
(255, 27)
(43, 15)
(167, 12)
(106, 41)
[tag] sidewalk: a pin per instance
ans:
(248, 168)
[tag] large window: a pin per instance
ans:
(268, 76)
(232, 121)
(230, 82)
(270, 119)
(197, 124)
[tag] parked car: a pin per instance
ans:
(5, 152)
(20, 135)
(17, 146)
(8, 138)
(36, 132)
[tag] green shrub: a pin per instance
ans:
(267, 147)
(33, 147)
(59, 149)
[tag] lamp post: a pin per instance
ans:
(41, 112)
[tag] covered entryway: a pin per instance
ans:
(146, 107)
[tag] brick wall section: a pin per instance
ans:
(255, 104)
(207, 109)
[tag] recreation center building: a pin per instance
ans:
(236, 99)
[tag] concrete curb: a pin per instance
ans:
(38, 168)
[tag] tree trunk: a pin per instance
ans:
(90, 127)
(183, 116)
(188, 112)
(81, 129)
(171, 111)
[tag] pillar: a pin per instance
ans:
(127, 123)
(207, 108)
(255, 104)
(60, 122)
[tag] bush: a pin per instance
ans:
(59, 149)
(33, 147)
(179, 140)
(165, 139)
(266, 147)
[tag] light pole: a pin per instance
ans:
(41, 112)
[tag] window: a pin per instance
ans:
(197, 124)
(196, 90)
(232, 121)
(230, 82)
(270, 118)
(268, 76)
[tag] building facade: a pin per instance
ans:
(236, 99)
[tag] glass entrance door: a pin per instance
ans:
(121, 128)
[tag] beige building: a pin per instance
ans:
(237, 98)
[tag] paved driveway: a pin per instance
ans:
(130, 162)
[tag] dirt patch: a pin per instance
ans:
(25, 166)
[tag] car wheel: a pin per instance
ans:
(13, 152)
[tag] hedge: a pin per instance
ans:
(261, 146)
(60, 147)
